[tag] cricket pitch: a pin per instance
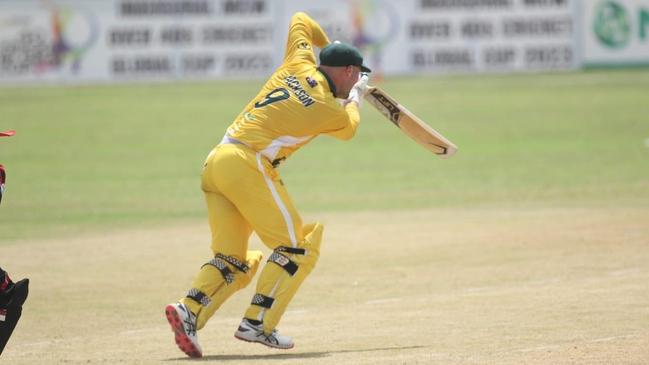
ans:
(447, 286)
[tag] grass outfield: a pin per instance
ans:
(87, 158)
(527, 247)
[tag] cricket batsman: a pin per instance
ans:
(244, 192)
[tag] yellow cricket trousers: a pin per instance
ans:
(244, 193)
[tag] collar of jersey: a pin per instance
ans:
(332, 87)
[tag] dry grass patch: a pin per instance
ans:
(452, 286)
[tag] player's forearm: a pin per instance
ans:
(354, 120)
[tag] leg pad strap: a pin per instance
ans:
(262, 300)
(284, 262)
(199, 297)
(220, 262)
(220, 265)
(293, 250)
(234, 262)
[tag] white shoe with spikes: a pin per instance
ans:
(255, 333)
(183, 325)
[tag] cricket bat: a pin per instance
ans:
(409, 123)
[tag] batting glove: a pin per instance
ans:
(358, 90)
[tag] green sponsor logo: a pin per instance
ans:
(612, 26)
(644, 23)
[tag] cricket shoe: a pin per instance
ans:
(183, 324)
(255, 333)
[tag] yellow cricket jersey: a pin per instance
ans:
(297, 103)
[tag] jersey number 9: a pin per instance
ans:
(278, 94)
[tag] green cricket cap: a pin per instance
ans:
(342, 54)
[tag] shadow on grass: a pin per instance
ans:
(288, 356)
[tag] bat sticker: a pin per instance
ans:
(391, 110)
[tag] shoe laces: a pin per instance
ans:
(190, 324)
(270, 337)
(260, 333)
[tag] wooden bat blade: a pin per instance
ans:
(409, 123)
